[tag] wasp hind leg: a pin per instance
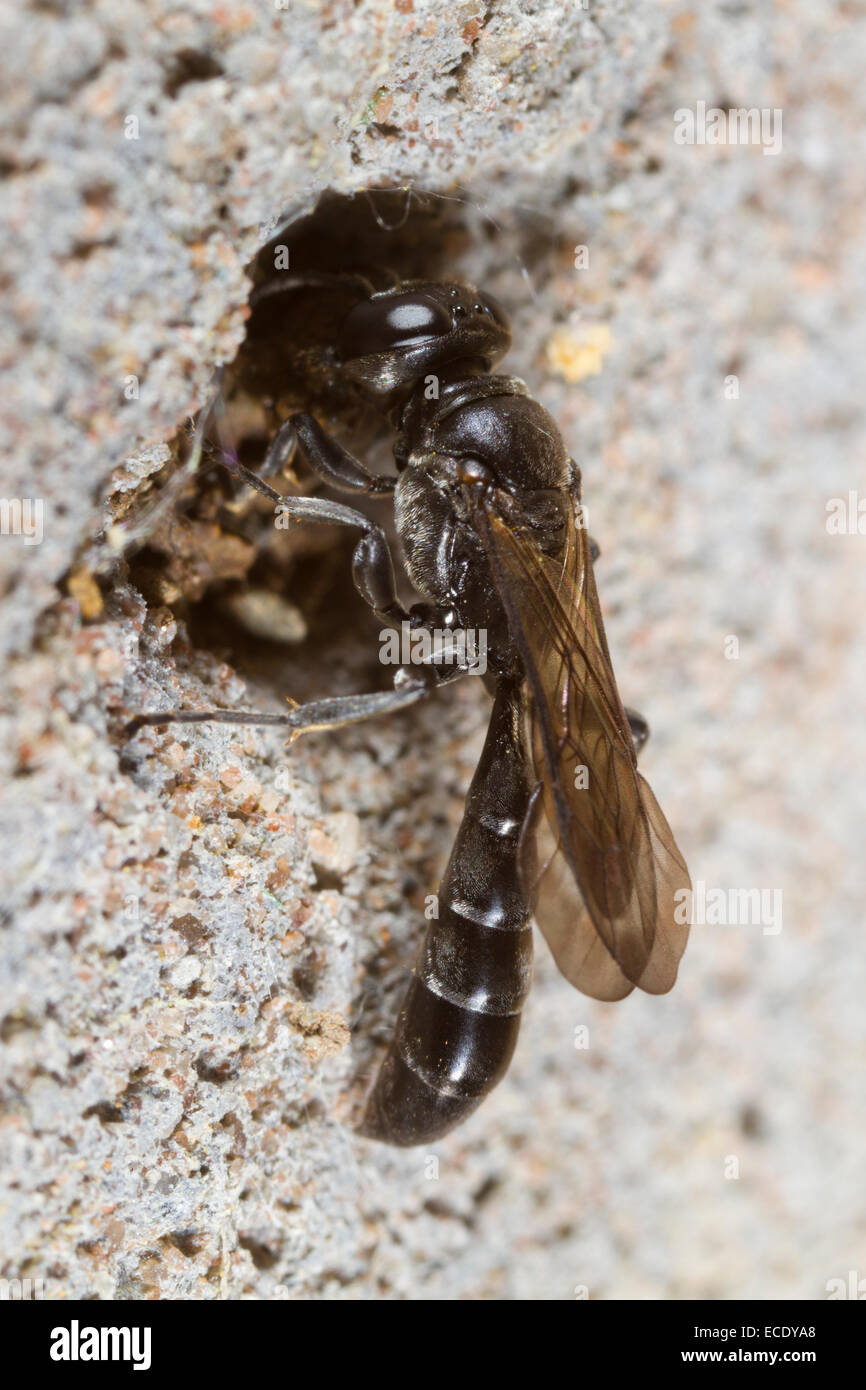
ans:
(333, 712)
(640, 729)
(330, 713)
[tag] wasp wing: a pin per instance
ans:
(576, 946)
(605, 835)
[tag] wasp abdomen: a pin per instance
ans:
(458, 1025)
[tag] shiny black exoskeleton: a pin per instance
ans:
(459, 432)
(424, 354)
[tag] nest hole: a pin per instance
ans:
(264, 601)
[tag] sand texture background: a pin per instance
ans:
(204, 937)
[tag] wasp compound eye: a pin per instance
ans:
(392, 321)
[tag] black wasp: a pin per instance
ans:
(558, 821)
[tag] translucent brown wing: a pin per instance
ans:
(606, 841)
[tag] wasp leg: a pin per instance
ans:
(410, 685)
(330, 713)
(337, 710)
(430, 615)
(156, 718)
(640, 729)
(333, 463)
(281, 450)
(372, 567)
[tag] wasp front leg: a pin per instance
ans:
(332, 462)
(372, 567)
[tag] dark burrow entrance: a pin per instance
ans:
(247, 592)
